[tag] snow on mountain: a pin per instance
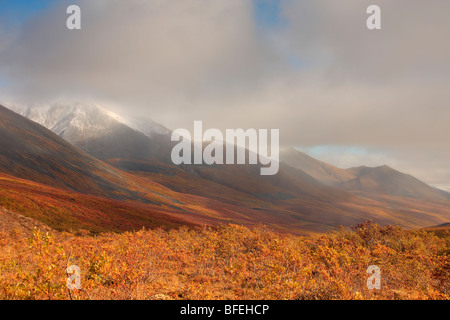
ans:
(147, 126)
(84, 121)
(102, 133)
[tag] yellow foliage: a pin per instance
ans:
(229, 262)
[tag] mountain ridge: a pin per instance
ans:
(292, 201)
(100, 132)
(370, 180)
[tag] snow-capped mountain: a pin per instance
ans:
(87, 119)
(147, 126)
(293, 198)
(100, 132)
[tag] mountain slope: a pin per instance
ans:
(291, 201)
(385, 180)
(381, 180)
(63, 209)
(49, 179)
(44, 176)
(102, 133)
(323, 172)
(106, 136)
(30, 151)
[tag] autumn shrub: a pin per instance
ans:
(226, 262)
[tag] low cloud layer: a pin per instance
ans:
(315, 72)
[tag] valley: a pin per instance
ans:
(94, 172)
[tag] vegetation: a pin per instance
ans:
(229, 262)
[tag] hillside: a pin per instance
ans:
(155, 192)
(385, 180)
(29, 151)
(323, 172)
(47, 178)
(63, 209)
(101, 133)
(381, 180)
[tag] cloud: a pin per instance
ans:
(156, 53)
(315, 72)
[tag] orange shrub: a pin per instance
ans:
(228, 262)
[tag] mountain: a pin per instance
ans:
(147, 126)
(45, 177)
(293, 201)
(102, 133)
(385, 180)
(29, 151)
(90, 120)
(321, 171)
(381, 180)
(63, 209)
(108, 137)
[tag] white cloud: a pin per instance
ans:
(323, 78)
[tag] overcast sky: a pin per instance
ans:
(311, 68)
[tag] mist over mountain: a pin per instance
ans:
(30, 151)
(306, 195)
(323, 172)
(385, 180)
(102, 133)
(378, 180)
(109, 137)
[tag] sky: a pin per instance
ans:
(345, 94)
(18, 11)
